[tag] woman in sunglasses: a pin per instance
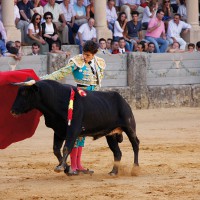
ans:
(34, 34)
(49, 30)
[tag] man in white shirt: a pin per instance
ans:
(55, 9)
(175, 28)
(86, 32)
(111, 14)
(69, 15)
(20, 24)
(132, 5)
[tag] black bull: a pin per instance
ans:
(97, 114)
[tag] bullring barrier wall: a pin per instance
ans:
(144, 80)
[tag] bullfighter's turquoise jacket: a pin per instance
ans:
(81, 71)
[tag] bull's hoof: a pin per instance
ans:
(67, 169)
(113, 173)
(59, 169)
(135, 170)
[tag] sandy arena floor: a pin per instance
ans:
(169, 163)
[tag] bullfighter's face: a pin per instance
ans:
(87, 56)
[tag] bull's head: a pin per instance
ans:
(26, 97)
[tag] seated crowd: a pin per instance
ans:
(153, 26)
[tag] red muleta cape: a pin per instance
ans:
(15, 129)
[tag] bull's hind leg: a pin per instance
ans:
(135, 144)
(113, 144)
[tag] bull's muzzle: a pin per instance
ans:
(14, 114)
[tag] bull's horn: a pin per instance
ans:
(26, 83)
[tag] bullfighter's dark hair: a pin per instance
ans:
(90, 46)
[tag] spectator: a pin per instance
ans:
(167, 12)
(120, 25)
(69, 15)
(151, 47)
(12, 51)
(118, 5)
(102, 47)
(144, 44)
(156, 32)
(56, 48)
(128, 6)
(121, 49)
(182, 10)
(119, 29)
(114, 45)
(174, 30)
(144, 3)
(198, 46)
(174, 5)
(35, 49)
(25, 7)
(175, 48)
(43, 2)
(191, 47)
(86, 32)
(3, 32)
(141, 47)
(20, 24)
(134, 30)
(108, 45)
(80, 17)
(55, 9)
(37, 8)
(149, 12)
(18, 46)
(49, 30)
(90, 10)
(111, 14)
(34, 33)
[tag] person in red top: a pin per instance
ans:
(121, 49)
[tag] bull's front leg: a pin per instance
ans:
(57, 144)
(69, 144)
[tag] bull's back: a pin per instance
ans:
(105, 109)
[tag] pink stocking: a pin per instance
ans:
(73, 157)
(79, 158)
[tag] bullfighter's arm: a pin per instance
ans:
(61, 73)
